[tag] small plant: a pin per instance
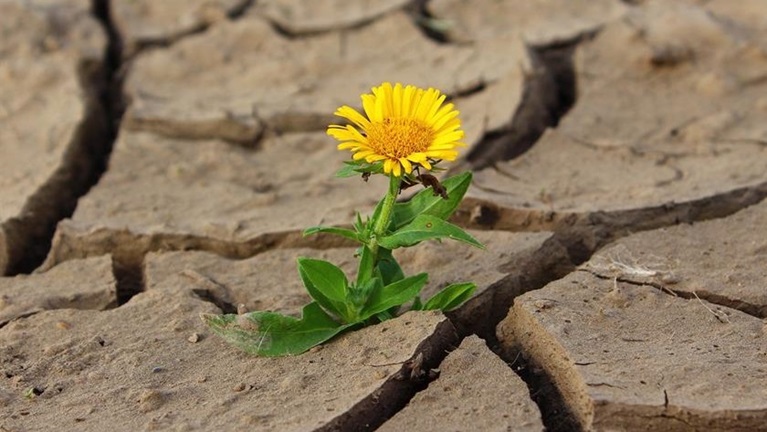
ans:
(405, 133)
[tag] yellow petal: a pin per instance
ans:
(349, 145)
(447, 138)
(341, 134)
(407, 100)
(352, 114)
(451, 125)
(356, 135)
(448, 155)
(446, 146)
(406, 164)
(416, 157)
(443, 116)
(361, 154)
(424, 105)
(433, 110)
(388, 99)
(369, 105)
(397, 168)
(374, 158)
(397, 100)
(379, 109)
(388, 163)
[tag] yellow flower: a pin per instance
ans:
(402, 126)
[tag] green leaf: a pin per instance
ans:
(393, 295)
(417, 304)
(365, 266)
(450, 297)
(348, 170)
(388, 267)
(354, 168)
(327, 284)
(425, 227)
(343, 232)
(271, 334)
(359, 225)
(425, 203)
(385, 315)
(359, 294)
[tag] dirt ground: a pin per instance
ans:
(159, 160)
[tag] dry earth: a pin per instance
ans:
(159, 160)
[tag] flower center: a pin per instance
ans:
(399, 137)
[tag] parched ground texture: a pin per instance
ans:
(159, 159)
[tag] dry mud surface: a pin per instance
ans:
(159, 160)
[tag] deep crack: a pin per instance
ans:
(427, 23)
(550, 91)
(396, 393)
(166, 41)
(555, 414)
(29, 237)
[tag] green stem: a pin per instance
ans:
(369, 262)
(386, 208)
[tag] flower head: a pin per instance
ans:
(404, 127)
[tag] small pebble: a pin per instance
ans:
(194, 338)
(202, 379)
(239, 387)
(158, 369)
(63, 325)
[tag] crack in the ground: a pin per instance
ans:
(20, 316)
(757, 311)
(396, 393)
(288, 34)
(29, 237)
(429, 25)
(603, 227)
(211, 291)
(555, 414)
(484, 312)
(550, 91)
(129, 279)
(582, 239)
(166, 41)
(128, 250)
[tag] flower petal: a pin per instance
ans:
(349, 145)
(434, 108)
(447, 137)
(369, 105)
(416, 157)
(424, 105)
(352, 114)
(397, 168)
(449, 126)
(375, 158)
(361, 154)
(449, 155)
(397, 100)
(443, 116)
(406, 164)
(407, 100)
(388, 164)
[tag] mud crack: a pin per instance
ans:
(716, 299)
(550, 91)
